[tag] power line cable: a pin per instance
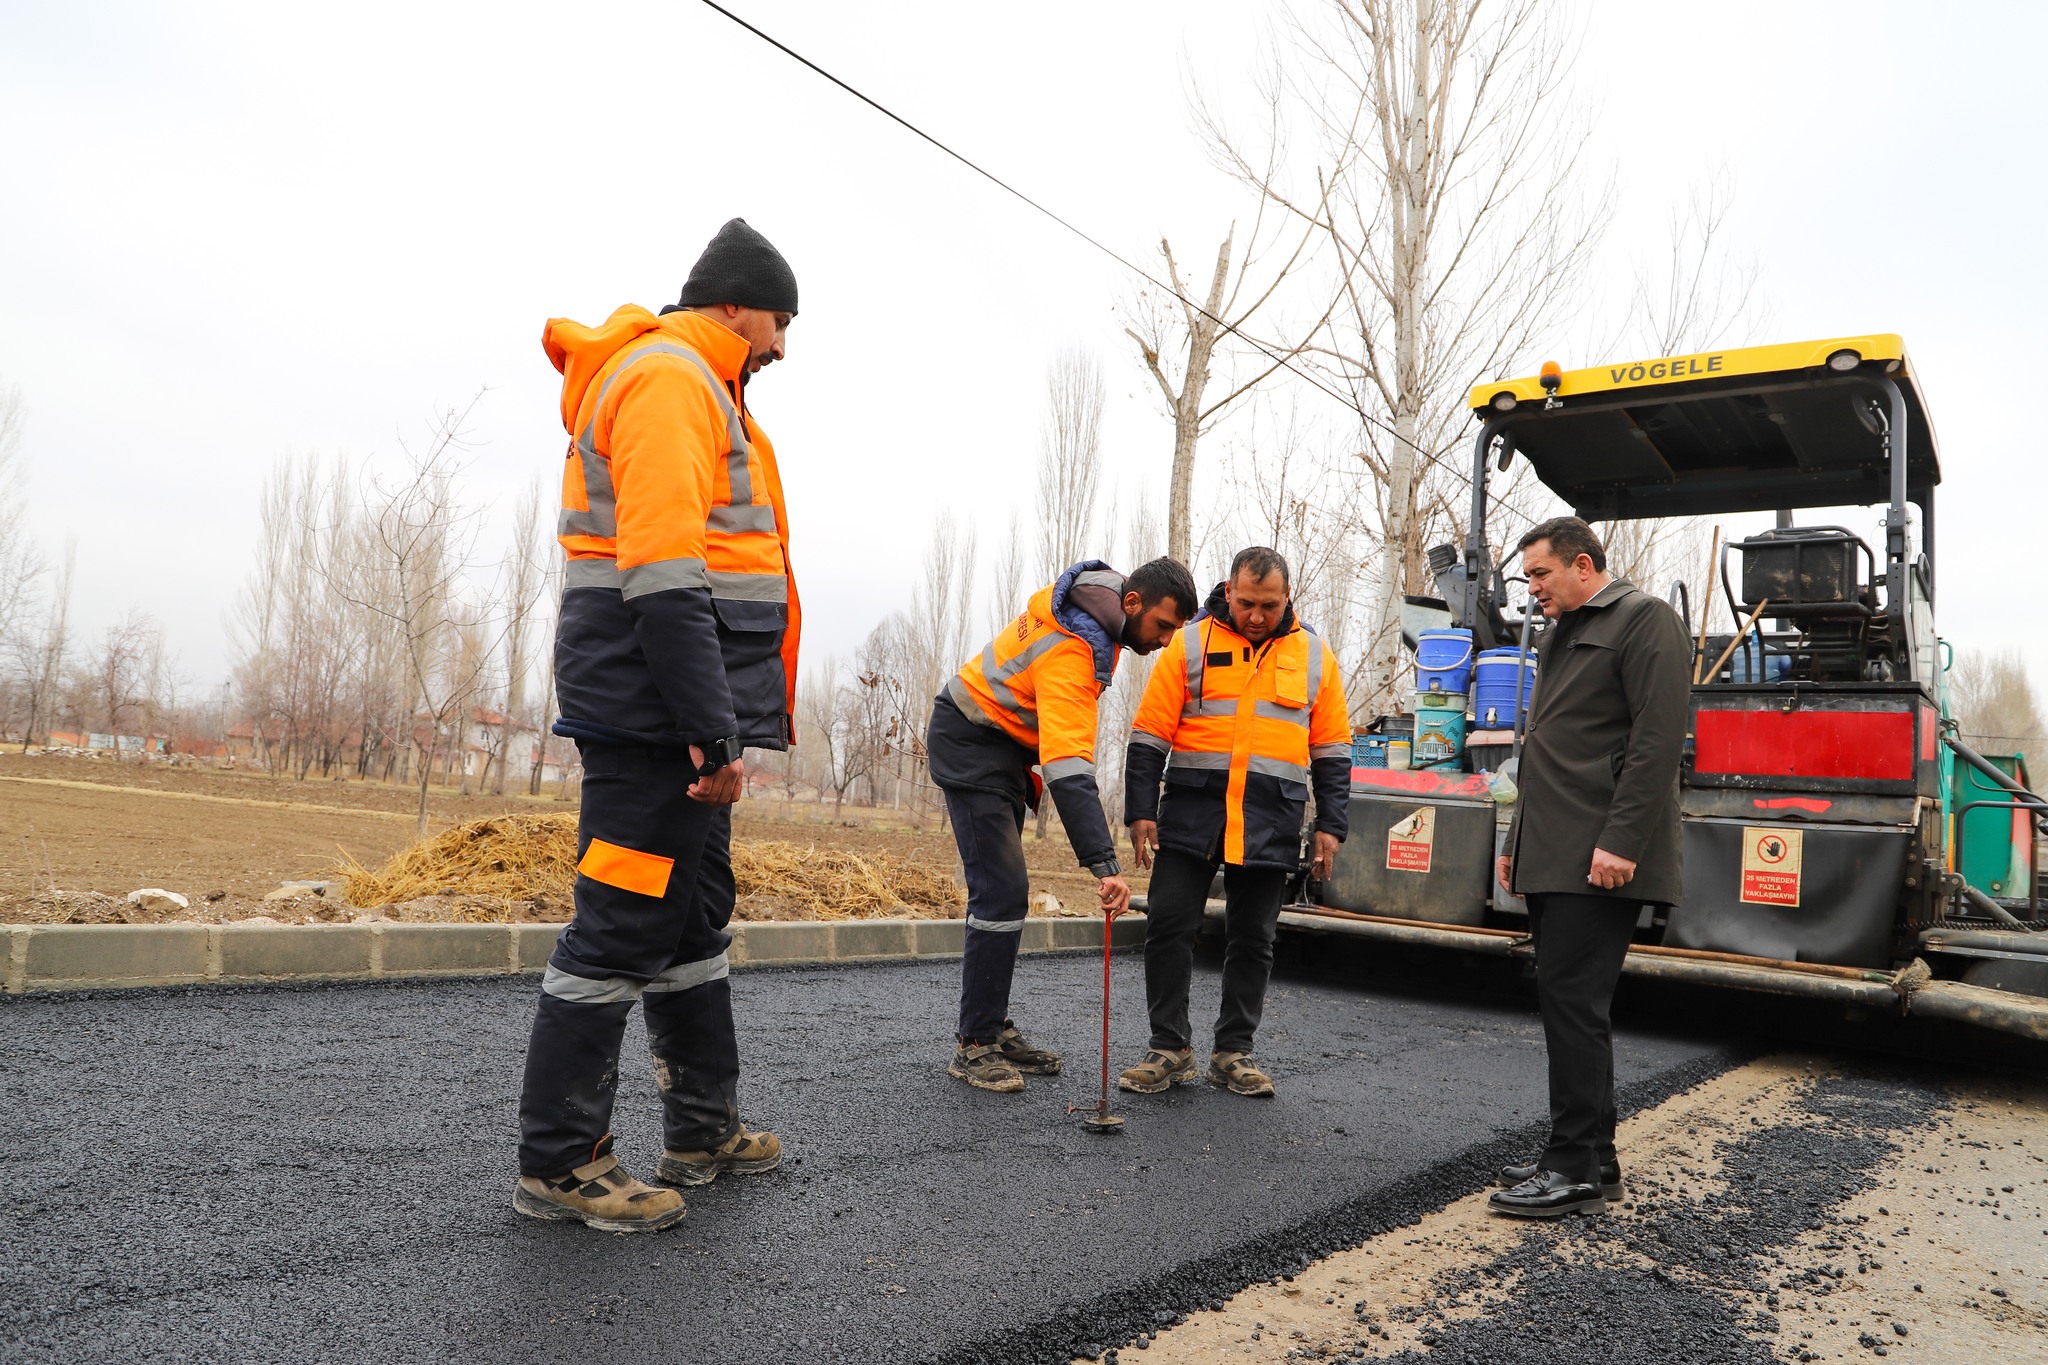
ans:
(1276, 357)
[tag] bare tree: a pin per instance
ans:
(1446, 187)
(1700, 292)
(1178, 338)
(524, 570)
(1996, 707)
(824, 750)
(410, 569)
(1006, 591)
(21, 563)
(42, 654)
(1069, 461)
(118, 683)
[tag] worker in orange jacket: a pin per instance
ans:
(676, 651)
(1030, 698)
(1244, 713)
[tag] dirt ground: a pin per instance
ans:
(1947, 1244)
(98, 825)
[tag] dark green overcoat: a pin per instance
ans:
(1600, 761)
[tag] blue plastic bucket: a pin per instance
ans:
(1443, 661)
(1439, 729)
(1368, 750)
(1493, 687)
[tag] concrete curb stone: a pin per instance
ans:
(50, 957)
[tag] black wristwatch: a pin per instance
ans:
(1106, 869)
(720, 753)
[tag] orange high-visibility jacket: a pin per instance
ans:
(1038, 682)
(1240, 729)
(679, 614)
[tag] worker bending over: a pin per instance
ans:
(676, 650)
(1030, 697)
(1245, 711)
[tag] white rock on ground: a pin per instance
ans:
(158, 899)
(1046, 903)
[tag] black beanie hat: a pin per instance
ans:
(740, 266)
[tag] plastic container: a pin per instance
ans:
(1398, 757)
(1494, 677)
(1439, 730)
(1443, 661)
(1368, 750)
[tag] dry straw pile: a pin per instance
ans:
(517, 858)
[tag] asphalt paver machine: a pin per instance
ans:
(1832, 815)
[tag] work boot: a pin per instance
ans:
(1239, 1074)
(744, 1153)
(983, 1066)
(1159, 1071)
(601, 1194)
(1032, 1061)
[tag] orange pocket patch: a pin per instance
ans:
(642, 873)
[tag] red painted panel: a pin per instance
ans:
(1419, 782)
(1864, 744)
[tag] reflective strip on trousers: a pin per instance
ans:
(1067, 767)
(661, 576)
(584, 990)
(590, 573)
(996, 926)
(690, 975)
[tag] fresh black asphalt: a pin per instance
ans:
(324, 1174)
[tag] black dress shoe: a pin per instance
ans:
(1547, 1194)
(1610, 1177)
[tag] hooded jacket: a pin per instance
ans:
(1239, 730)
(679, 615)
(1030, 696)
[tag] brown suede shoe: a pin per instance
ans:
(744, 1153)
(601, 1194)
(983, 1066)
(1239, 1074)
(1026, 1057)
(1159, 1071)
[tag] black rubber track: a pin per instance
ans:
(324, 1174)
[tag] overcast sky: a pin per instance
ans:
(234, 232)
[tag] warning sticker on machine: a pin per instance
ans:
(1412, 841)
(1770, 865)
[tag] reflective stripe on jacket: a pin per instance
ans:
(1240, 730)
(1038, 682)
(679, 616)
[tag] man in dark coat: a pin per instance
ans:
(1595, 838)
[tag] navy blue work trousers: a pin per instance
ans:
(988, 829)
(654, 892)
(1175, 901)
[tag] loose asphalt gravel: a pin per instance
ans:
(324, 1174)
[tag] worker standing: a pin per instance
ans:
(1245, 713)
(676, 651)
(1030, 698)
(1595, 839)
